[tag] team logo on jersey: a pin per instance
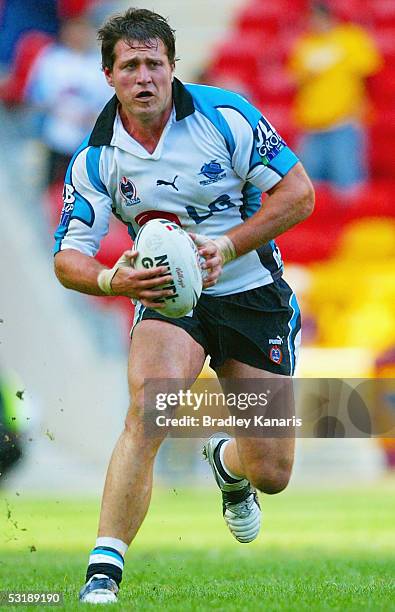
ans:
(68, 204)
(269, 142)
(213, 171)
(276, 354)
(128, 191)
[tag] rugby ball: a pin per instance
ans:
(163, 243)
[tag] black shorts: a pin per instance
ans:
(259, 327)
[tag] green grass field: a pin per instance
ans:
(319, 550)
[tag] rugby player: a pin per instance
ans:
(200, 156)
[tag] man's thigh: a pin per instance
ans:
(164, 353)
(260, 450)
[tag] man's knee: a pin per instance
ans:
(139, 426)
(268, 477)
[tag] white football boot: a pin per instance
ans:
(240, 505)
(99, 589)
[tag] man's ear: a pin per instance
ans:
(108, 75)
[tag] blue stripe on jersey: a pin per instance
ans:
(206, 100)
(251, 200)
(283, 162)
(294, 326)
(92, 166)
(252, 116)
(82, 210)
(266, 254)
(83, 146)
(131, 231)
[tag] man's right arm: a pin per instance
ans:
(80, 272)
(84, 222)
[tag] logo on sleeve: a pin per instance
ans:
(68, 204)
(128, 191)
(213, 171)
(269, 142)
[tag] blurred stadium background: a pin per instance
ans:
(63, 355)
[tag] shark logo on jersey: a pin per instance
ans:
(213, 171)
(128, 191)
(68, 204)
(269, 142)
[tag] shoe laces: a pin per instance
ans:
(243, 508)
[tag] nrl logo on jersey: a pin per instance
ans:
(213, 171)
(128, 191)
(269, 142)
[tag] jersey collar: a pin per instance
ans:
(103, 131)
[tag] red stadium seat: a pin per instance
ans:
(239, 58)
(385, 40)
(270, 17)
(352, 10)
(74, 8)
(274, 86)
(381, 12)
(265, 18)
(308, 242)
(381, 88)
(381, 144)
(376, 200)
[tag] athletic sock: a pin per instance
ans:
(107, 558)
(220, 464)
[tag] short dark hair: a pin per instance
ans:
(135, 24)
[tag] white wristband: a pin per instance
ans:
(104, 279)
(105, 276)
(226, 248)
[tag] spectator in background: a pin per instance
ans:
(329, 64)
(17, 17)
(67, 89)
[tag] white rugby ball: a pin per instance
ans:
(163, 243)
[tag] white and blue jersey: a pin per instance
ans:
(215, 157)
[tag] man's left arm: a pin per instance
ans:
(289, 202)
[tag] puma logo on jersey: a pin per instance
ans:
(276, 341)
(173, 184)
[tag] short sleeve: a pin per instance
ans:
(85, 215)
(260, 155)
